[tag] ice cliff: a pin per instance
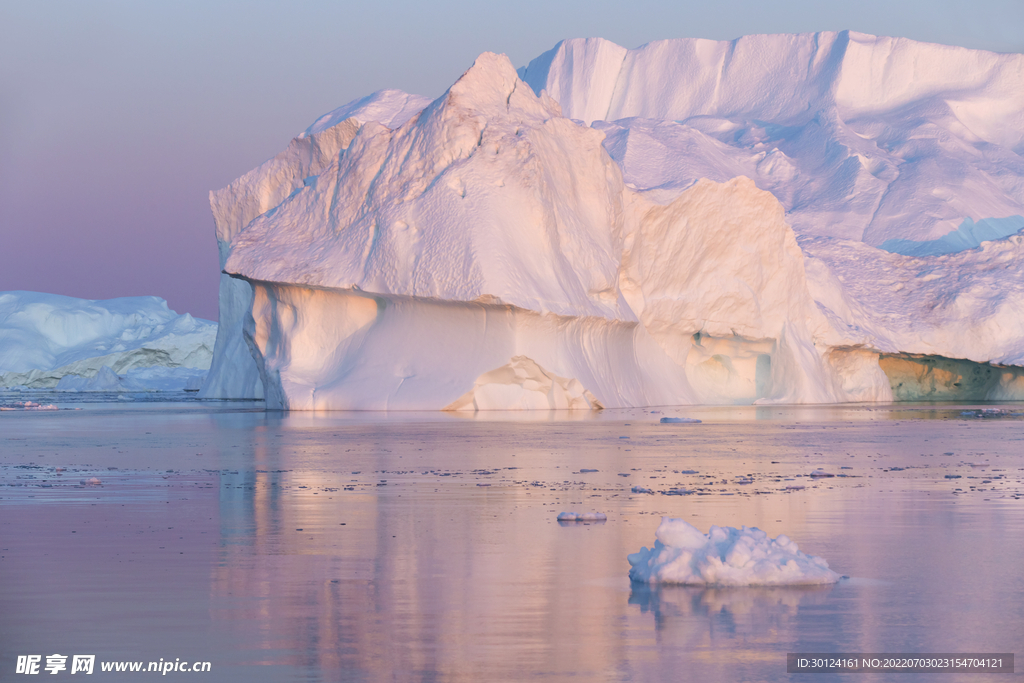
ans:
(48, 341)
(689, 222)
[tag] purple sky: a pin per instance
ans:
(118, 118)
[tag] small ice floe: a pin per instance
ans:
(91, 481)
(585, 470)
(725, 556)
(641, 489)
(978, 464)
(953, 476)
(820, 473)
(680, 420)
(582, 517)
(27, 405)
(990, 413)
(677, 492)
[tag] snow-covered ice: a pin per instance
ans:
(725, 556)
(794, 219)
(48, 341)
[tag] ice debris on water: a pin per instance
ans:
(641, 489)
(725, 556)
(820, 473)
(582, 517)
(679, 420)
(27, 405)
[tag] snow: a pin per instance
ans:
(689, 222)
(725, 556)
(969, 235)
(48, 341)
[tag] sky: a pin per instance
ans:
(118, 118)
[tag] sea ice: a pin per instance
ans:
(582, 517)
(27, 405)
(725, 556)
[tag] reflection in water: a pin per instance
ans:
(691, 615)
(352, 547)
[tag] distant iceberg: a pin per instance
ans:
(725, 556)
(48, 341)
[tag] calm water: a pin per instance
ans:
(424, 547)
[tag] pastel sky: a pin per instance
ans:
(118, 117)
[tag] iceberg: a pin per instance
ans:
(725, 556)
(48, 341)
(689, 222)
(860, 137)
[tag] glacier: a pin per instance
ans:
(62, 343)
(811, 218)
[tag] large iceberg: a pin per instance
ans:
(49, 341)
(689, 222)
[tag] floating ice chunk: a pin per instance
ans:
(818, 473)
(679, 420)
(582, 517)
(725, 556)
(641, 489)
(91, 481)
(27, 405)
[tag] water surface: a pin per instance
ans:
(422, 546)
